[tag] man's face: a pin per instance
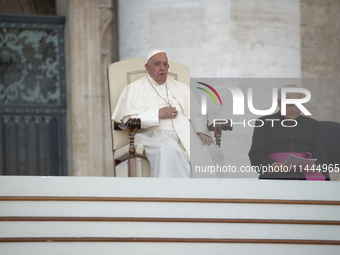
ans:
(292, 111)
(158, 67)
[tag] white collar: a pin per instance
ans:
(154, 83)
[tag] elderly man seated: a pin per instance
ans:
(163, 105)
(273, 143)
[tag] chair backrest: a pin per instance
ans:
(121, 74)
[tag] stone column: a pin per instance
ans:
(320, 55)
(231, 38)
(88, 52)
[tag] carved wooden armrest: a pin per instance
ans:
(218, 128)
(132, 124)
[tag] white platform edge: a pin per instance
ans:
(173, 188)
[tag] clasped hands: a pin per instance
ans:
(171, 113)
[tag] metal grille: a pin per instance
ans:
(32, 96)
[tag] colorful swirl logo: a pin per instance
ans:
(209, 93)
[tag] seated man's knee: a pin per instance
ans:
(169, 149)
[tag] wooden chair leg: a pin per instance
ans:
(132, 124)
(132, 167)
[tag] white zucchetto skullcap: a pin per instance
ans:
(152, 53)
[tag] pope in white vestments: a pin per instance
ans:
(163, 105)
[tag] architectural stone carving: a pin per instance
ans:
(87, 56)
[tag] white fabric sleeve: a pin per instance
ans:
(148, 118)
(199, 125)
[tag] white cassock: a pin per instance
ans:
(167, 142)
